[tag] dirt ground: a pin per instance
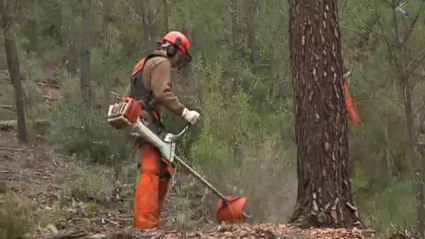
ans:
(35, 173)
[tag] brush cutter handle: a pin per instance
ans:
(182, 133)
(173, 138)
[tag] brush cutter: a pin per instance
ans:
(125, 114)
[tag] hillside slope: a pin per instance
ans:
(36, 174)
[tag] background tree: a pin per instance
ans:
(406, 66)
(8, 24)
(324, 169)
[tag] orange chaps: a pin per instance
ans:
(151, 187)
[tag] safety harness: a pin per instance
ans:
(143, 95)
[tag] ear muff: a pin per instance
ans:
(171, 50)
(178, 42)
(174, 47)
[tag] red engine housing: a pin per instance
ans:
(124, 113)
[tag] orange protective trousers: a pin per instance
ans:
(151, 187)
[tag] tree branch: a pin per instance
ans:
(156, 13)
(390, 50)
(382, 36)
(413, 23)
(132, 11)
(417, 65)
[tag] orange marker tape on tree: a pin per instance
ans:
(349, 105)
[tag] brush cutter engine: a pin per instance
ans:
(125, 114)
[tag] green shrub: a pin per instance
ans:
(85, 185)
(381, 210)
(17, 218)
(87, 133)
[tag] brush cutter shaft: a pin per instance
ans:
(200, 178)
(205, 182)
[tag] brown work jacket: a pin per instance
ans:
(157, 78)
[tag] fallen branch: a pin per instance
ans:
(49, 98)
(49, 85)
(7, 107)
(11, 149)
(13, 124)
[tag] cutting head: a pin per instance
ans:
(231, 209)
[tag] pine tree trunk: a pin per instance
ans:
(8, 22)
(324, 188)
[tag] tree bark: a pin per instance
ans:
(324, 188)
(8, 22)
(86, 61)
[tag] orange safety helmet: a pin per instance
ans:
(180, 41)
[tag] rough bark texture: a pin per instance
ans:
(86, 61)
(324, 188)
(8, 23)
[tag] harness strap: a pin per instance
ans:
(139, 92)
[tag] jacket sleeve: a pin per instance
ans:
(162, 87)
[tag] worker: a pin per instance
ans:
(349, 105)
(151, 86)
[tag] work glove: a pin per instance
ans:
(191, 116)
